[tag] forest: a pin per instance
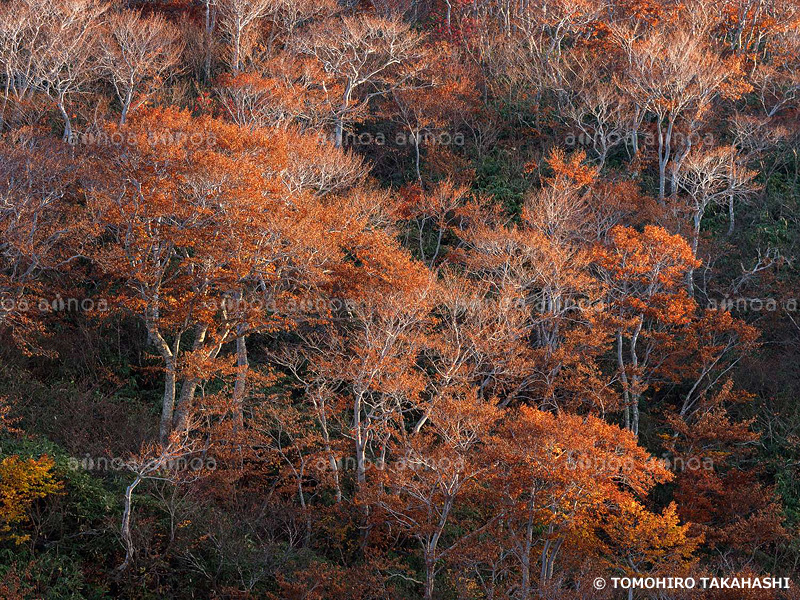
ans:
(399, 299)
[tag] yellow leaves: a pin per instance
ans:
(649, 542)
(22, 482)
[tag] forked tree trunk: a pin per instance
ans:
(170, 357)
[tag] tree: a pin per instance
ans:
(374, 364)
(675, 75)
(643, 542)
(67, 61)
(432, 215)
(724, 500)
(253, 101)
(717, 176)
(428, 473)
(283, 94)
(17, 38)
(194, 225)
(526, 42)
(236, 18)
(365, 57)
(597, 108)
(559, 474)
(646, 300)
(542, 267)
(137, 52)
(38, 220)
(440, 92)
(22, 482)
(318, 168)
(153, 462)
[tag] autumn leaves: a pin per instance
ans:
(422, 368)
(476, 392)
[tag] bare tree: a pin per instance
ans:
(366, 56)
(236, 17)
(596, 107)
(715, 177)
(20, 32)
(68, 62)
(136, 53)
(158, 463)
(49, 46)
(209, 23)
(674, 76)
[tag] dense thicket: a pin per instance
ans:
(471, 299)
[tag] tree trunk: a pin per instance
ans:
(731, 216)
(240, 387)
(543, 572)
(430, 577)
(416, 158)
(67, 137)
(208, 41)
(237, 42)
(170, 356)
(626, 395)
(525, 559)
(697, 220)
(360, 443)
(168, 402)
(340, 115)
(126, 105)
(126, 524)
(664, 147)
(183, 409)
(184, 406)
(323, 421)
(678, 162)
(635, 381)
